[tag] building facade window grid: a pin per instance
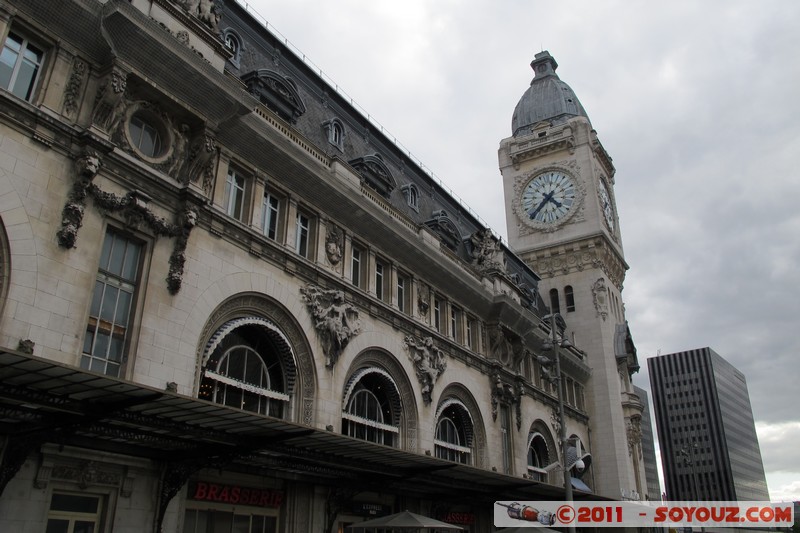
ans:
(270, 213)
(20, 63)
(404, 292)
(379, 280)
(234, 195)
(303, 236)
(112, 304)
(74, 513)
(569, 296)
(356, 267)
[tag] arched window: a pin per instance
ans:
(249, 366)
(538, 457)
(555, 306)
(335, 130)
(234, 45)
(454, 432)
(569, 296)
(372, 407)
(412, 196)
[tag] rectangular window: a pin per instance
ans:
(74, 513)
(234, 195)
(303, 234)
(270, 213)
(20, 63)
(380, 279)
(401, 292)
(218, 521)
(437, 314)
(570, 392)
(107, 333)
(569, 296)
(356, 265)
(455, 323)
(472, 332)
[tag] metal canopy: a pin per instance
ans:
(44, 401)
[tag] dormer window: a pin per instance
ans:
(445, 228)
(412, 196)
(335, 131)
(375, 173)
(276, 92)
(234, 45)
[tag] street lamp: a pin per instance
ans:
(555, 344)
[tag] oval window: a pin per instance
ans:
(146, 136)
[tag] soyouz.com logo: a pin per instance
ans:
(642, 514)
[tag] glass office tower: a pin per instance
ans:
(709, 447)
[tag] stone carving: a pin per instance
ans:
(202, 159)
(336, 321)
(134, 209)
(633, 431)
(86, 474)
(206, 11)
(487, 252)
(73, 87)
(504, 392)
(429, 362)
(109, 107)
(177, 260)
(87, 167)
(600, 296)
(505, 347)
(26, 346)
(178, 157)
(333, 245)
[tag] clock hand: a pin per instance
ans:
(547, 197)
(558, 204)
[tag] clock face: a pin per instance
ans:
(605, 204)
(548, 197)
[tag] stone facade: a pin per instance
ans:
(554, 163)
(191, 216)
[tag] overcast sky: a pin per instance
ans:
(698, 104)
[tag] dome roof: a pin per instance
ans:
(547, 99)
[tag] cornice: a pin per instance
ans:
(532, 147)
(603, 157)
(594, 252)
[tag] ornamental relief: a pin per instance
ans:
(578, 261)
(526, 226)
(429, 362)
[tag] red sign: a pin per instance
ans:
(458, 518)
(234, 494)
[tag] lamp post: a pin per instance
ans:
(554, 344)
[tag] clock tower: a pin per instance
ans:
(563, 222)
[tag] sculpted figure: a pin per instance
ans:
(486, 250)
(333, 246)
(336, 321)
(600, 295)
(429, 362)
